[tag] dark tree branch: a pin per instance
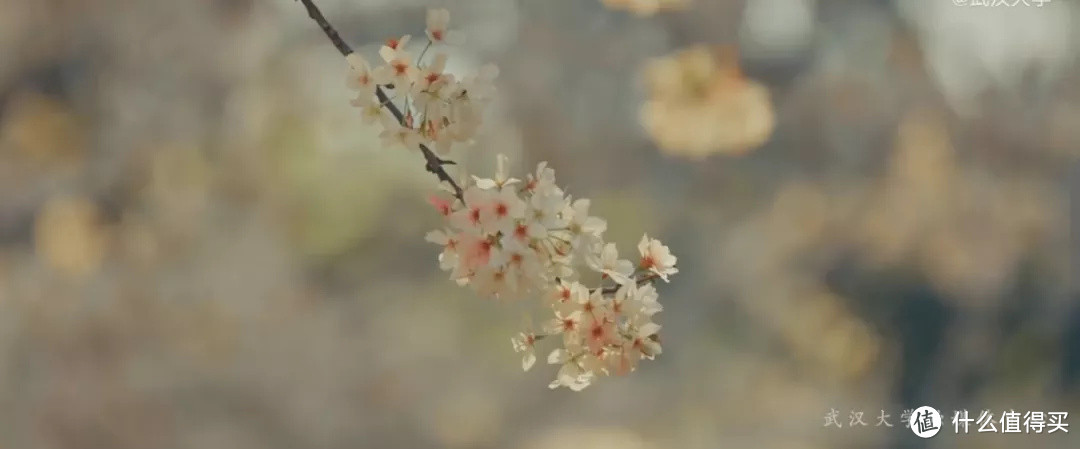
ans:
(433, 163)
(335, 38)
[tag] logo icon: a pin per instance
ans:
(925, 422)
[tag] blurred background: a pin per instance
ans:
(201, 246)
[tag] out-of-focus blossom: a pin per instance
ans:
(438, 21)
(646, 7)
(700, 104)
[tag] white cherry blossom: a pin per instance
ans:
(609, 264)
(438, 21)
(656, 257)
(448, 259)
(394, 48)
(372, 113)
(571, 374)
(426, 91)
(397, 135)
(525, 343)
(503, 210)
(361, 80)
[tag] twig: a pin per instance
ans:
(335, 38)
(433, 163)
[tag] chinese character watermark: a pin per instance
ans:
(855, 419)
(881, 419)
(986, 421)
(831, 418)
(926, 421)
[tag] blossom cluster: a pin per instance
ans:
(426, 105)
(514, 238)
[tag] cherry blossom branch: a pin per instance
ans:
(433, 163)
(511, 240)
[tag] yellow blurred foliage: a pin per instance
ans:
(69, 237)
(41, 130)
